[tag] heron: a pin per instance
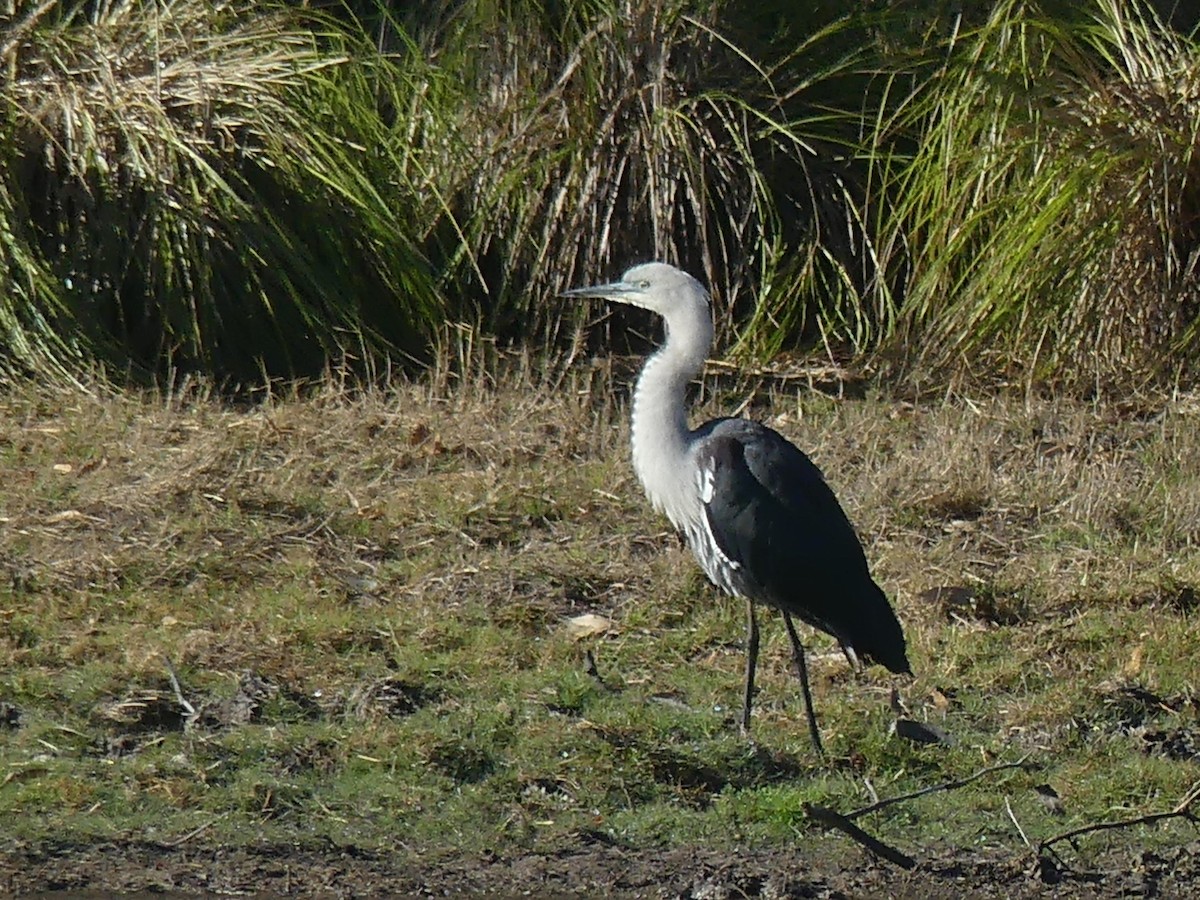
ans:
(756, 512)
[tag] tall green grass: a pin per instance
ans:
(601, 134)
(1043, 226)
(184, 187)
(251, 190)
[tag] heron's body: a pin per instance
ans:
(772, 511)
(756, 512)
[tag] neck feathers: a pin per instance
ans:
(661, 439)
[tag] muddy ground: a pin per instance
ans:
(589, 869)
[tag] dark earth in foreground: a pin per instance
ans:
(594, 869)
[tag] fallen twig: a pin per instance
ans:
(836, 820)
(590, 667)
(189, 710)
(195, 832)
(1182, 810)
(1013, 816)
(933, 789)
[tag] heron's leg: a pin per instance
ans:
(802, 667)
(851, 657)
(751, 663)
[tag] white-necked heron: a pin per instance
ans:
(754, 509)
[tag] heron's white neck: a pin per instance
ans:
(660, 435)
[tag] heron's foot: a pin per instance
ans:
(747, 706)
(748, 738)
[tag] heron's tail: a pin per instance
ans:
(878, 636)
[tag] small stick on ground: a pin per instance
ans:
(933, 789)
(189, 710)
(589, 666)
(195, 832)
(844, 824)
(1182, 810)
(836, 820)
(1013, 816)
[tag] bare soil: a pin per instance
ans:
(591, 867)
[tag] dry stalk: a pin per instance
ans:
(1181, 810)
(843, 824)
(189, 710)
(1013, 817)
(18, 32)
(933, 789)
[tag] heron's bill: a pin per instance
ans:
(617, 291)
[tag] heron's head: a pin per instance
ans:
(655, 286)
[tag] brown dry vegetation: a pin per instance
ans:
(365, 597)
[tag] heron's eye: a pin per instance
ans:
(644, 284)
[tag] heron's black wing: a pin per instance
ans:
(784, 487)
(770, 512)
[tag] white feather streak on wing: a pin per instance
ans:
(706, 479)
(717, 565)
(711, 545)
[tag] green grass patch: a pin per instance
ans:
(366, 602)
